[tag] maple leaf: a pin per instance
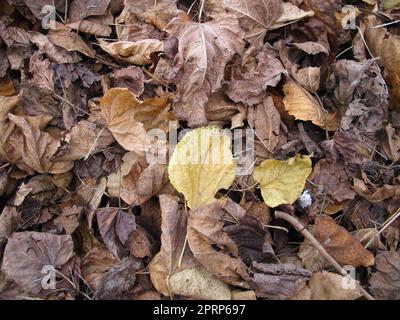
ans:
(204, 51)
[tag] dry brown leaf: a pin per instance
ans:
(84, 140)
(174, 271)
(27, 253)
(70, 41)
(95, 264)
(267, 124)
(385, 282)
(278, 281)
(303, 106)
(204, 51)
(340, 244)
(55, 53)
(205, 230)
(116, 226)
(119, 106)
(329, 286)
(9, 221)
(80, 9)
(40, 146)
(255, 17)
(139, 52)
(249, 83)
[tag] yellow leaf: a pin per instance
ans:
(282, 182)
(202, 163)
(300, 104)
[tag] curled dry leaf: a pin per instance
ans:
(385, 282)
(300, 104)
(202, 164)
(204, 51)
(84, 140)
(278, 281)
(9, 221)
(248, 84)
(205, 232)
(267, 124)
(39, 146)
(70, 41)
(115, 227)
(119, 106)
(139, 52)
(282, 182)
(340, 244)
(95, 264)
(174, 271)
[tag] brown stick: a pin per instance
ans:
(302, 229)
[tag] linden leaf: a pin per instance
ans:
(282, 182)
(202, 163)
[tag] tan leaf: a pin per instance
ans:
(204, 50)
(139, 52)
(39, 146)
(55, 53)
(70, 41)
(309, 78)
(85, 139)
(95, 264)
(340, 244)
(329, 286)
(300, 104)
(119, 106)
(205, 231)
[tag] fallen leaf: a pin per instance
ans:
(245, 81)
(329, 286)
(282, 182)
(202, 164)
(303, 106)
(119, 281)
(139, 52)
(118, 106)
(204, 51)
(95, 265)
(116, 226)
(70, 41)
(340, 244)
(385, 282)
(26, 254)
(278, 281)
(39, 146)
(205, 232)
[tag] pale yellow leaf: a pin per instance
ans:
(282, 182)
(202, 164)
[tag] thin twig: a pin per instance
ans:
(302, 229)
